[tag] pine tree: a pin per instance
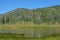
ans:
(3, 21)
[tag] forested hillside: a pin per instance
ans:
(49, 15)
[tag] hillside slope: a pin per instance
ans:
(49, 15)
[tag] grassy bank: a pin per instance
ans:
(20, 37)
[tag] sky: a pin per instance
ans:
(8, 5)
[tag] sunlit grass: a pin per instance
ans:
(17, 26)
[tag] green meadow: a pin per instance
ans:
(18, 26)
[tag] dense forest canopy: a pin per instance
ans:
(49, 15)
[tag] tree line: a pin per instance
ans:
(37, 16)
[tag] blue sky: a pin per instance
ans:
(8, 5)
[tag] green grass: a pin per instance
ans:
(9, 36)
(17, 26)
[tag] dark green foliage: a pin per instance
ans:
(3, 20)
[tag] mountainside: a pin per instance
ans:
(49, 15)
